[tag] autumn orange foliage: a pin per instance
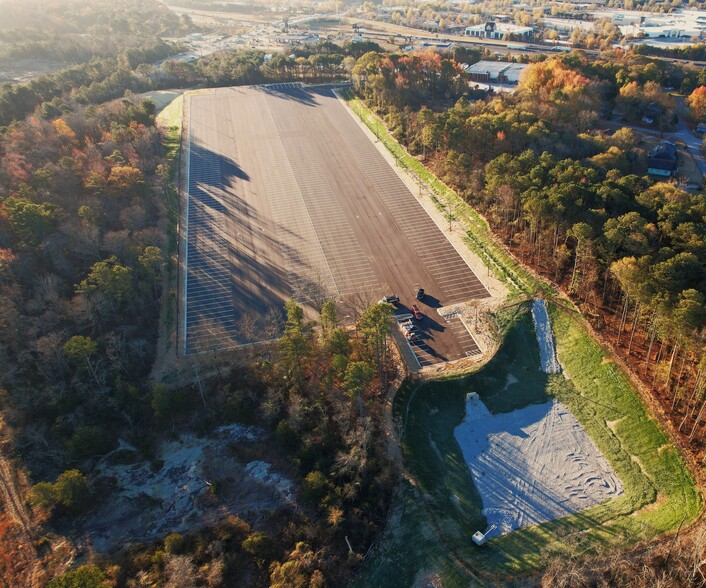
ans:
(552, 77)
(697, 102)
(13, 558)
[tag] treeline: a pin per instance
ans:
(395, 81)
(90, 83)
(323, 61)
(575, 204)
(103, 80)
(620, 78)
(695, 52)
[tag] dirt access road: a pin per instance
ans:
(29, 554)
(289, 197)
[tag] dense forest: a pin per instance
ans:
(575, 203)
(82, 233)
(78, 31)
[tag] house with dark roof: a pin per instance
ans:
(662, 160)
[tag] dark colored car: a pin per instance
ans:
(417, 313)
(420, 294)
(390, 299)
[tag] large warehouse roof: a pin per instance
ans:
(494, 69)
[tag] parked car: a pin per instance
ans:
(390, 299)
(420, 294)
(417, 313)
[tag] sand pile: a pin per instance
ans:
(532, 465)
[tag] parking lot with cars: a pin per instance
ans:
(289, 197)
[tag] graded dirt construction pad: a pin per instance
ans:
(288, 197)
(532, 465)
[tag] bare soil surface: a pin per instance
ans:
(193, 482)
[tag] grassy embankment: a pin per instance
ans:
(659, 492)
(169, 120)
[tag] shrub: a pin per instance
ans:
(286, 435)
(174, 543)
(260, 546)
(315, 485)
(234, 529)
(43, 495)
(86, 576)
(88, 441)
(71, 490)
(168, 404)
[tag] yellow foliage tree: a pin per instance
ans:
(697, 102)
(63, 129)
(553, 78)
(124, 178)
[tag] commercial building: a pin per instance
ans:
(565, 26)
(499, 72)
(686, 24)
(500, 30)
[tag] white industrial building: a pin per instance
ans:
(565, 26)
(685, 24)
(499, 72)
(499, 30)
